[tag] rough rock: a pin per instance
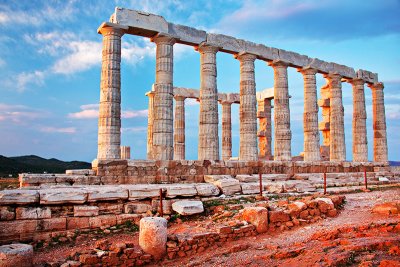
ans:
(257, 216)
(250, 188)
(324, 204)
(6, 213)
(16, 255)
(275, 187)
(278, 216)
(207, 190)
(296, 207)
(18, 196)
(153, 236)
(387, 208)
(188, 207)
(226, 183)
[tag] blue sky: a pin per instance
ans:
(50, 59)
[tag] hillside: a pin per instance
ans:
(35, 164)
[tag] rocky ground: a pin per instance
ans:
(356, 237)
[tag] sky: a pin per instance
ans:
(50, 60)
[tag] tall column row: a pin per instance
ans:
(179, 128)
(226, 130)
(264, 132)
(360, 145)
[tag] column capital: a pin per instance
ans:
(162, 38)
(225, 102)
(355, 81)
(149, 93)
(333, 76)
(108, 27)
(376, 86)
(277, 63)
(205, 47)
(245, 56)
(307, 70)
(179, 97)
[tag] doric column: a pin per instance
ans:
(248, 108)
(208, 122)
(109, 128)
(379, 123)
(360, 143)
(163, 139)
(310, 116)
(179, 128)
(264, 131)
(125, 152)
(150, 119)
(324, 125)
(282, 133)
(337, 146)
(226, 130)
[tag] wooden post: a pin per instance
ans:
(161, 203)
(260, 178)
(365, 178)
(325, 182)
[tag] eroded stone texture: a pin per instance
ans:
(226, 130)
(379, 123)
(208, 122)
(125, 152)
(324, 125)
(16, 255)
(265, 126)
(337, 144)
(248, 108)
(282, 133)
(150, 120)
(163, 99)
(310, 116)
(188, 207)
(109, 128)
(153, 236)
(360, 143)
(257, 216)
(179, 128)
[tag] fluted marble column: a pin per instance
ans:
(208, 121)
(150, 119)
(109, 127)
(282, 133)
(125, 152)
(248, 108)
(179, 128)
(310, 116)
(379, 123)
(337, 146)
(226, 130)
(264, 132)
(360, 143)
(163, 139)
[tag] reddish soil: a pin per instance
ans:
(348, 239)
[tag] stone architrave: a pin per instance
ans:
(310, 116)
(226, 130)
(282, 133)
(248, 108)
(109, 127)
(179, 128)
(163, 143)
(360, 143)
(208, 121)
(264, 132)
(379, 123)
(150, 120)
(337, 145)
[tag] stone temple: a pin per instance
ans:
(118, 189)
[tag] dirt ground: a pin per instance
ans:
(354, 237)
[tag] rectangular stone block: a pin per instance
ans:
(207, 190)
(77, 223)
(101, 193)
(102, 221)
(86, 211)
(262, 51)
(250, 188)
(80, 172)
(27, 179)
(25, 213)
(7, 213)
(187, 35)
(63, 195)
(11, 230)
(226, 43)
(53, 224)
(143, 191)
(180, 190)
(293, 58)
(167, 205)
(18, 196)
(136, 207)
(123, 218)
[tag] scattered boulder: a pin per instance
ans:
(188, 207)
(250, 188)
(226, 183)
(324, 204)
(153, 236)
(278, 216)
(207, 189)
(14, 255)
(257, 216)
(387, 208)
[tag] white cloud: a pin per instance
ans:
(2, 62)
(22, 80)
(191, 102)
(91, 111)
(19, 114)
(67, 130)
(128, 114)
(139, 129)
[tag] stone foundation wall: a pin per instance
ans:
(193, 171)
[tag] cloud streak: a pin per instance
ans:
(91, 111)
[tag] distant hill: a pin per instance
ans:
(35, 164)
(394, 163)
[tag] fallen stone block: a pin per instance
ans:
(188, 207)
(153, 236)
(86, 211)
(207, 190)
(247, 178)
(257, 216)
(226, 183)
(278, 216)
(18, 196)
(16, 255)
(250, 188)
(141, 191)
(324, 204)
(387, 208)
(136, 207)
(275, 187)
(101, 193)
(167, 205)
(181, 190)
(24, 213)
(63, 195)
(299, 186)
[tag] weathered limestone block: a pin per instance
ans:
(7, 213)
(167, 205)
(387, 208)
(181, 190)
(63, 195)
(250, 188)
(18, 196)
(367, 76)
(262, 51)
(80, 172)
(153, 236)
(136, 207)
(16, 255)
(141, 191)
(226, 43)
(296, 207)
(102, 221)
(52, 224)
(207, 190)
(225, 183)
(257, 216)
(110, 207)
(322, 66)
(343, 70)
(244, 178)
(100, 193)
(26, 213)
(275, 187)
(187, 35)
(188, 207)
(275, 177)
(324, 204)
(29, 179)
(293, 59)
(86, 211)
(278, 216)
(299, 186)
